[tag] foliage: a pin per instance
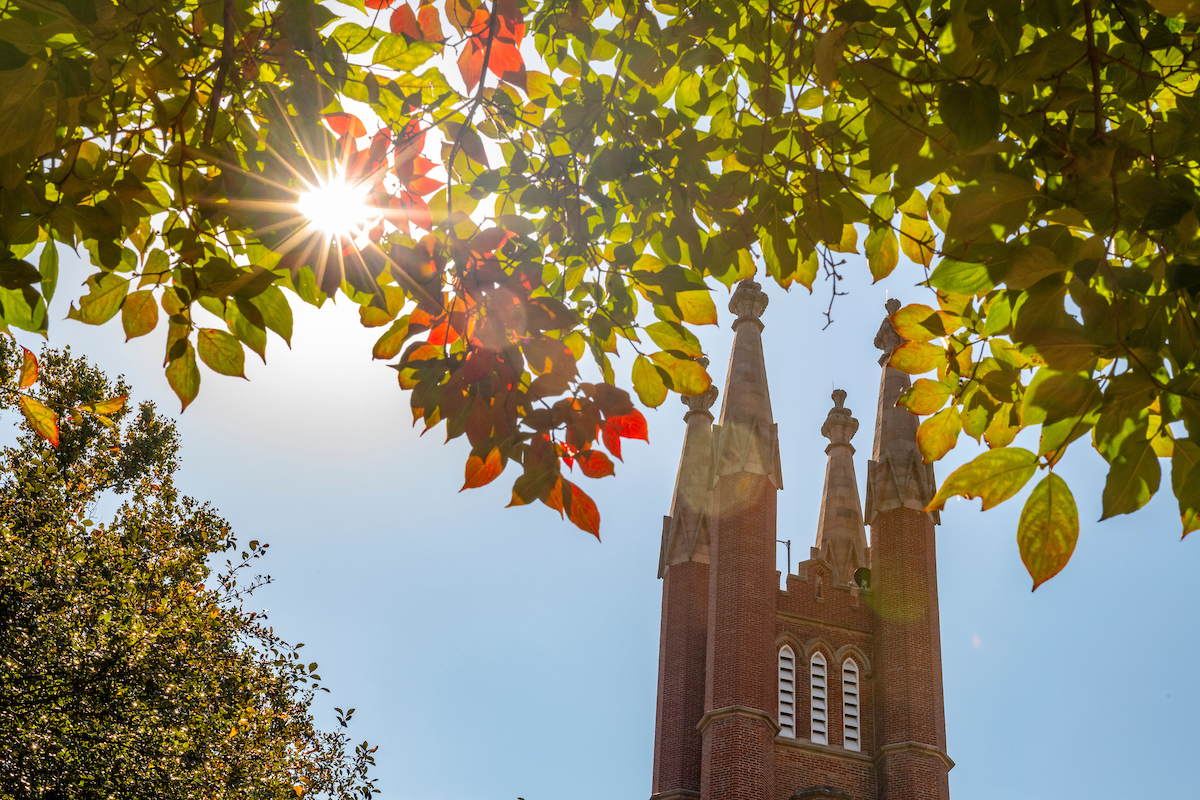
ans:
(1034, 160)
(128, 667)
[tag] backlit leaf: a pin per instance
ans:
(221, 352)
(920, 323)
(105, 407)
(993, 476)
(686, 376)
(594, 464)
(883, 253)
(29, 369)
(392, 341)
(1133, 477)
(697, 307)
(139, 314)
(482, 471)
(1185, 481)
(184, 375)
(991, 208)
(673, 336)
(937, 435)
(41, 419)
(106, 291)
(648, 384)
(925, 396)
(1048, 530)
(916, 358)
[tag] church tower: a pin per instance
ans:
(832, 687)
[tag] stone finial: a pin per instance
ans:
(700, 402)
(887, 339)
(840, 426)
(749, 301)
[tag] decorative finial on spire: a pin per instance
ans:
(700, 402)
(840, 426)
(749, 301)
(887, 339)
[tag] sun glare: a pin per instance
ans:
(336, 207)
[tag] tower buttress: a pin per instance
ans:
(738, 727)
(683, 642)
(841, 537)
(909, 708)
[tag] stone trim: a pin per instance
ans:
(676, 794)
(738, 711)
(825, 749)
(919, 747)
(823, 792)
(789, 616)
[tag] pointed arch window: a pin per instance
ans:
(819, 699)
(851, 736)
(787, 692)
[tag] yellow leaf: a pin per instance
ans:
(43, 421)
(993, 476)
(1048, 530)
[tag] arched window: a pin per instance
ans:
(818, 693)
(851, 736)
(787, 692)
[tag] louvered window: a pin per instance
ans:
(850, 708)
(819, 694)
(787, 692)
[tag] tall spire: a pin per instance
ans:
(686, 530)
(896, 474)
(841, 537)
(746, 439)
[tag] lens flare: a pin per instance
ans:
(336, 207)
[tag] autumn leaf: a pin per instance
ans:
(105, 407)
(1048, 529)
(594, 464)
(937, 435)
(184, 376)
(221, 352)
(920, 323)
(481, 471)
(403, 21)
(345, 124)
(43, 421)
(687, 377)
(139, 314)
(993, 476)
(916, 358)
(648, 384)
(925, 396)
(29, 369)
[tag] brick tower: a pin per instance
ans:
(831, 688)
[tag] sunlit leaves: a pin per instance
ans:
(139, 314)
(648, 383)
(993, 476)
(29, 369)
(183, 375)
(106, 292)
(482, 471)
(990, 208)
(925, 396)
(937, 435)
(1133, 477)
(883, 252)
(916, 358)
(1048, 529)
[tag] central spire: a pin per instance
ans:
(745, 438)
(841, 537)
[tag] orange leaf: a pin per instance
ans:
(504, 58)
(480, 472)
(403, 21)
(595, 464)
(29, 369)
(43, 421)
(343, 123)
(470, 64)
(431, 24)
(583, 511)
(379, 3)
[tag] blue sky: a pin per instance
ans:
(497, 653)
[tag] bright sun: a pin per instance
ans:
(336, 207)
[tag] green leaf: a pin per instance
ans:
(221, 352)
(883, 253)
(106, 292)
(925, 397)
(916, 358)
(673, 336)
(48, 269)
(648, 383)
(685, 376)
(184, 376)
(1048, 530)
(993, 476)
(139, 314)
(396, 53)
(1133, 477)
(972, 111)
(1185, 481)
(937, 435)
(991, 209)
(392, 341)
(854, 11)
(961, 277)
(276, 312)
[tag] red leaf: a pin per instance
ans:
(480, 22)
(583, 511)
(424, 186)
(595, 464)
(612, 441)
(343, 123)
(480, 472)
(379, 3)
(470, 63)
(417, 211)
(504, 58)
(404, 21)
(431, 24)
(630, 426)
(29, 369)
